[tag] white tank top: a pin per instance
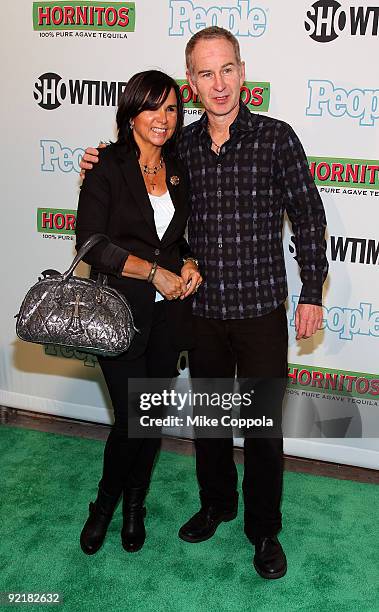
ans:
(163, 213)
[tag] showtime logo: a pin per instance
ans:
(346, 322)
(56, 157)
(326, 20)
(50, 91)
(114, 16)
(325, 98)
(354, 250)
(346, 249)
(255, 95)
(239, 17)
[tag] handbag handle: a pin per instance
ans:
(86, 246)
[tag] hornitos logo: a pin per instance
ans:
(50, 91)
(103, 17)
(325, 98)
(56, 157)
(342, 175)
(56, 222)
(334, 382)
(346, 322)
(69, 353)
(238, 16)
(256, 96)
(327, 19)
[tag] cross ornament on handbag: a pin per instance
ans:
(75, 312)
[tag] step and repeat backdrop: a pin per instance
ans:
(312, 64)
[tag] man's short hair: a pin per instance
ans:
(211, 33)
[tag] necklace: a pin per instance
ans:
(217, 148)
(152, 170)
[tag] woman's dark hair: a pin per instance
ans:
(147, 91)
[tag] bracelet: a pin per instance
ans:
(195, 261)
(152, 272)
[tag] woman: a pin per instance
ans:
(137, 196)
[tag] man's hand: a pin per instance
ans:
(90, 157)
(308, 320)
(192, 278)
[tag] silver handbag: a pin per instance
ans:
(81, 313)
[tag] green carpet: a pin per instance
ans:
(330, 536)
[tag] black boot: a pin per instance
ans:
(95, 527)
(133, 529)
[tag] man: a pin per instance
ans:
(245, 170)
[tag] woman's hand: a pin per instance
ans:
(191, 277)
(170, 285)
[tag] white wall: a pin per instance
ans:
(328, 91)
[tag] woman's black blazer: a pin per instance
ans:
(114, 201)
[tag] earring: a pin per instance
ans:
(131, 124)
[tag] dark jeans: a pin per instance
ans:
(255, 347)
(129, 462)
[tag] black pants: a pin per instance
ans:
(254, 347)
(128, 462)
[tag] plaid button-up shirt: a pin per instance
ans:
(238, 200)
